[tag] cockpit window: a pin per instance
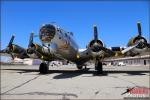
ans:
(47, 33)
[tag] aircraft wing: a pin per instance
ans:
(89, 54)
(108, 51)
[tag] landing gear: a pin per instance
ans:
(44, 68)
(99, 67)
(79, 67)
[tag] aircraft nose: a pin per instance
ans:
(47, 33)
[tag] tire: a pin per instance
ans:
(99, 67)
(79, 67)
(43, 69)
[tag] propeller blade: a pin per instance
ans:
(95, 33)
(11, 40)
(31, 39)
(129, 48)
(12, 56)
(139, 29)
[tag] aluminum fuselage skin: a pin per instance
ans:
(63, 45)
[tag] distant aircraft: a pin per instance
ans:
(58, 44)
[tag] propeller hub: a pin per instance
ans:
(142, 42)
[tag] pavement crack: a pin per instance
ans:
(65, 95)
(96, 92)
(20, 85)
(125, 80)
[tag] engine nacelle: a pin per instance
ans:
(137, 44)
(95, 47)
(37, 51)
(99, 43)
(16, 49)
(139, 39)
(141, 47)
(32, 51)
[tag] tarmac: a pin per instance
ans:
(66, 82)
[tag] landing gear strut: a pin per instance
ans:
(44, 68)
(79, 67)
(99, 66)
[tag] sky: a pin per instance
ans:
(116, 20)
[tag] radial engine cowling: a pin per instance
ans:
(95, 45)
(15, 49)
(139, 39)
(37, 51)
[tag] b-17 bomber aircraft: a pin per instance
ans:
(58, 44)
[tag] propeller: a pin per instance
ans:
(9, 47)
(95, 33)
(10, 44)
(11, 41)
(139, 29)
(31, 40)
(129, 48)
(141, 40)
(31, 48)
(138, 42)
(14, 50)
(95, 45)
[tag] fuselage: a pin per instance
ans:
(59, 41)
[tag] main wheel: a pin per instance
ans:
(99, 67)
(43, 68)
(79, 67)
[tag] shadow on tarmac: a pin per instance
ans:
(73, 73)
